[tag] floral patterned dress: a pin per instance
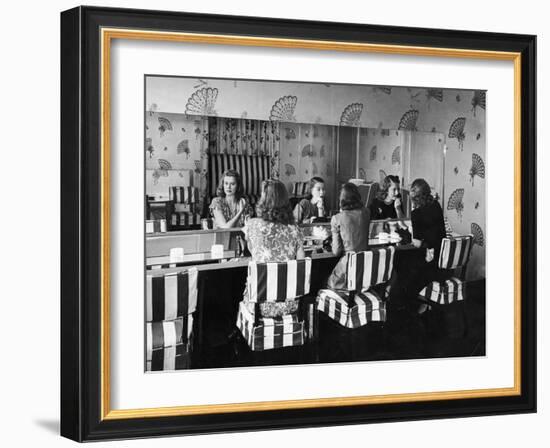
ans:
(228, 211)
(268, 241)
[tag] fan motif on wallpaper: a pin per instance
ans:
(408, 120)
(478, 167)
(455, 201)
(164, 125)
(396, 156)
(382, 175)
(373, 153)
(322, 151)
(382, 89)
(289, 170)
(162, 170)
(457, 131)
(283, 109)
(436, 94)
(183, 148)
(309, 151)
(202, 102)
(352, 115)
(478, 100)
(478, 234)
(314, 168)
(149, 147)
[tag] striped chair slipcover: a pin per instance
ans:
(184, 195)
(155, 226)
(170, 301)
(455, 253)
(274, 282)
(185, 208)
(359, 304)
(168, 347)
(300, 189)
(253, 170)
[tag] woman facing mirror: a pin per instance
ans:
(388, 204)
(229, 208)
(350, 232)
(314, 205)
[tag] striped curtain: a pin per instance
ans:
(253, 170)
(244, 137)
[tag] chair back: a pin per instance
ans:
(455, 251)
(278, 281)
(184, 195)
(300, 189)
(171, 296)
(369, 268)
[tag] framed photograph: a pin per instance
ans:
(272, 224)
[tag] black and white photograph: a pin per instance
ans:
(302, 223)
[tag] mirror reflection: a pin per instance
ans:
(350, 176)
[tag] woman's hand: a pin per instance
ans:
(242, 204)
(397, 203)
(416, 243)
(429, 255)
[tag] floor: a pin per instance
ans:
(455, 330)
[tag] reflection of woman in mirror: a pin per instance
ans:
(350, 232)
(428, 228)
(314, 205)
(387, 203)
(229, 208)
(273, 236)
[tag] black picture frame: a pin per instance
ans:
(81, 225)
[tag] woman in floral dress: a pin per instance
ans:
(229, 208)
(273, 236)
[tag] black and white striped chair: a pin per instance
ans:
(455, 254)
(300, 189)
(359, 303)
(185, 207)
(274, 282)
(171, 300)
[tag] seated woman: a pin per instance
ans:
(350, 232)
(273, 236)
(387, 203)
(428, 228)
(314, 205)
(229, 208)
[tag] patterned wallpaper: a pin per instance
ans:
(175, 152)
(458, 114)
(308, 150)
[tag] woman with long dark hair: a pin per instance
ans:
(273, 236)
(229, 208)
(387, 203)
(314, 205)
(350, 231)
(428, 229)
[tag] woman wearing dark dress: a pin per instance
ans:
(387, 203)
(350, 232)
(428, 229)
(314, 206)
